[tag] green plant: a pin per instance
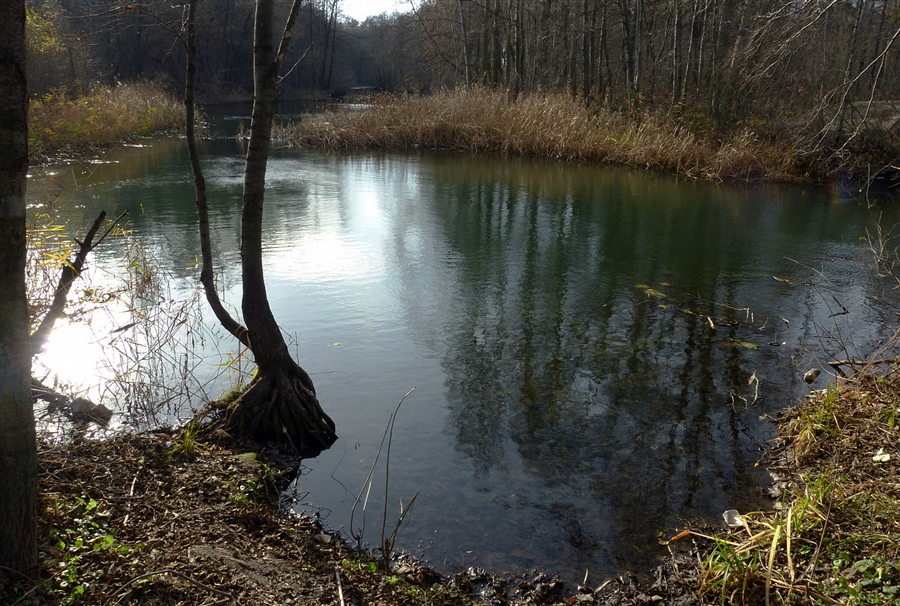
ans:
(725, 566)
(242, 499)
(264, 488)
(186, 442)
(86, 531)
(360, 565)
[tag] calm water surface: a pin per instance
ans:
(594, 351)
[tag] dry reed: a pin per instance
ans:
(108, 114)
(542, 125)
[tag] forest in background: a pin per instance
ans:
(819, 74)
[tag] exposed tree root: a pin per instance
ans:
(281, 407)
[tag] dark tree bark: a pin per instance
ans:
(281, 404)
(18, 447)
(587, 48)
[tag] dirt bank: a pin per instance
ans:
(151, 520)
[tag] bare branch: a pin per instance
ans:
(206, 271)
(70, 271)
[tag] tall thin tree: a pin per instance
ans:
(281, 404)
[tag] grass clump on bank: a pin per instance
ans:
(835, 535)
(546, 126)
(108, 114)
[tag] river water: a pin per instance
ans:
(596, 352)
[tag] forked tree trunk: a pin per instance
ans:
(281, 404)
(18, 447)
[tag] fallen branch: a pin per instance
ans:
(337, 574)
(836, 364)
(180, 575)
(76, 409)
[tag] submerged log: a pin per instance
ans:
(76, 409)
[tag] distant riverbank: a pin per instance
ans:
(109, 114)
(559, 127)
(546, 125)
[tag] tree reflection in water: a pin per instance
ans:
(609, 339)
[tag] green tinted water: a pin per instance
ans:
(594, 351)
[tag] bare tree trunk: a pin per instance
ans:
(603, 56)
(334, 29)
(715, 77)
(729, 97)
(638, 41)
(496, 47)
(520, 44)
(18, 446)
(485, 67)
(330, 9)
(510, 77)
(465, 43)
(572, 48)
(675, 50)
(565, 75)
(699, 77)
(851, 57)
(587, 48)
(280, 405)
(694, 72)
(207, 277)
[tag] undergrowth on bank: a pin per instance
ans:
(551, 126)
(130, 520)
(834, 536)
(108, 114)
(77, 529)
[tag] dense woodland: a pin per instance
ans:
(728, 58)
(816, 67)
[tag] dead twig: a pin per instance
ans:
(837, 364)
(178, 574)
(69, 273)
(337, 575)
(387, 545)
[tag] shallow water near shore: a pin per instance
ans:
(595, 352)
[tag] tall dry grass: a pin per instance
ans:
(547, 126)
(107, 114)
